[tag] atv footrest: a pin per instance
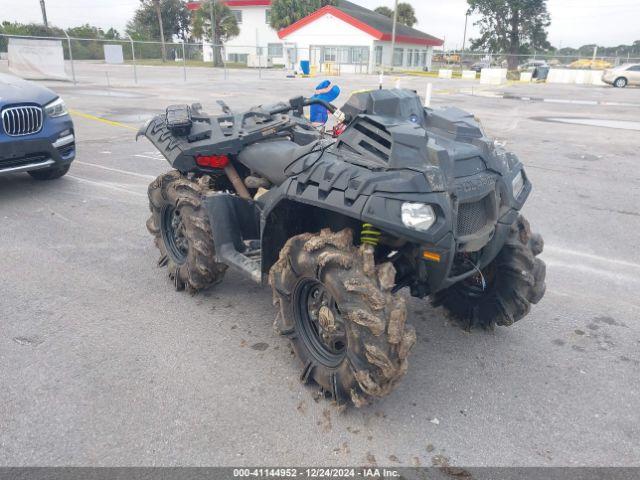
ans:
(235, 222)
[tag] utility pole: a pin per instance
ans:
(393, 34)
(464, 38)
(44, 13)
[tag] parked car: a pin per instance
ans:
(627, 74)
(532, 65)
(36, 131)
(478, 66)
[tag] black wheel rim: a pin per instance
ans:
(173, 235)
(319, 322)
(476, 286)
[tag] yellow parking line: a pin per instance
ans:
(103, 120)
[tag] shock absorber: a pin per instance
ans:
(370, 235)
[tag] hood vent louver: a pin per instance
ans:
(368, 139)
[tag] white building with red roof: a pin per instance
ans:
(347, 35)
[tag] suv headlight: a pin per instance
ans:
(517, 184)
(418, 216)
(57, 108)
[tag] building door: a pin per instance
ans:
(315, 55)
(379, 51)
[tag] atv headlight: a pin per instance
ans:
(517, 184)
(418, 216)
(57, 108)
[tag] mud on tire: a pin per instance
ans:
(514, 281)
(186, 246)
(360, 309)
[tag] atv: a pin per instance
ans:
(404, 196)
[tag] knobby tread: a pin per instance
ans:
(378, 337)
(200, 269)
(518, 282)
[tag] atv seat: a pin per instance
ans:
(270, 159)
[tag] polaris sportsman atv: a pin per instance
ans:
(405, 196)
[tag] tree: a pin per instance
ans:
(515, 27)
(226, 26)
(286, 12)
(406, 14)
(386, 11)
(176, 20)
(112, 34)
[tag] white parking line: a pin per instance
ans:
(148, 156)
(600, 273)
(614, 261)
(109, 186)
(117, 170)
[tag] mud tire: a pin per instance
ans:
(198, 269)
(378, 340)
(516, 280)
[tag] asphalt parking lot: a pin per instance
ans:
(103, 363)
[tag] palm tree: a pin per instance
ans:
(225, 26)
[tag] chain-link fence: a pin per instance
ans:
(124, 60)
(479, 60)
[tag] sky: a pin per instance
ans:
(574, 22)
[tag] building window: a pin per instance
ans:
(423, 58)
(398, 57)
(267, 16)
(238, 58)
(379, 55)
(275, 50)
(344, 55)
(238, 15)
(329, 54)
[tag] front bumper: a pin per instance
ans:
(53, 146)
(445, 238)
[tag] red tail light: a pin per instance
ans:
(213, 161)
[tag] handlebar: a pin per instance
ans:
(298, 104)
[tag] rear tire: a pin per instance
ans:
(182, 232)
(513, 282)
(50, 173)
(620, 82)
(336, 306)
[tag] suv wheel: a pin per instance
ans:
(620, 82)
(182, 233)
(503, 293)
(337, 308)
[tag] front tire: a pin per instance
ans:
(620, 82)
(182, 232)
(337, 308)
(51, 173)
(507, 287)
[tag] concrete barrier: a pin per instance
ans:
(576, 77)
(526, 77)
(493, 76)
(445, 73)
(469, 75)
